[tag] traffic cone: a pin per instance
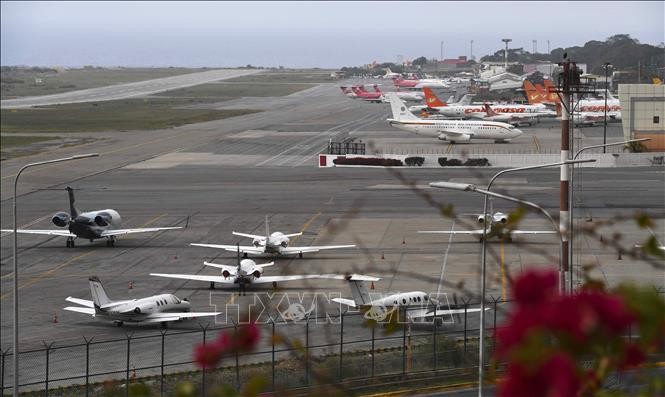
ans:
(130, 285)
(403, 240)
(382, 256)
(372, 285)
(55, 318)
(175, 256)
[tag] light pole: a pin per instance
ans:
(468, 187)
(606, 65)
(441, 57)
(15, 292)
(572, 196)
(505, 54)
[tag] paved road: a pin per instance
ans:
(226, 175)
(128, 90)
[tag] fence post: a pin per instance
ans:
(203, 370)
(341, 342)
(273, 354)
(87, 364)
(494, 326)
(436, 357)
(235, 326)
(466, 305)
(373, 330)
(403, 343)
(161, 366)
(307, 351)
(2, 372)
(48, 352)
(129, 339)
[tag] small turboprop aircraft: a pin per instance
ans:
(153, 309)
(276, 243)
(248, 272)
(498, 218)
(90, 225)
(418, 305)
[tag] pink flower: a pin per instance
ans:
(207, 355)
(248, 337)
(555, 377)
(534, 287)
(633, 356)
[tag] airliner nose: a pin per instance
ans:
(517, 132)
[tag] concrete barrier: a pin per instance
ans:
(603, 160)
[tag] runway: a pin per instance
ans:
(127, 90)
(227, 175)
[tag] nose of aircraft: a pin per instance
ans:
(517, 132)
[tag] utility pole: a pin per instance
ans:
(505, 57)
(535, 46)
(548, 47)
(565, 170)
(441, 57)
(471, 56)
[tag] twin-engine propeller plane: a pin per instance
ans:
(248, 272)
(494, 224)
(91, 225)
(161, 308)
(276, 243)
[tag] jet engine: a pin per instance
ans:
(481, 219)
(256, 243)
(256, 274)
(502, 219)
(61, 219)
(103, 219)
(284, 243)
(457, 138)
(226, 274)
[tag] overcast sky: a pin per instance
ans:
(303, 34)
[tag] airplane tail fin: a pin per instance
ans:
(465, 100)
(99, 297)
(550, 91)
(431, 99)
(72, 209)
(532, 94)
(360, 292)
(400, 112)
(488, 110)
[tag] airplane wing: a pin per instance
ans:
(424, 313)
(63, 233)
(81, 302)
(249, 235)
(162, 317)
(455, 133)
(233, 248)
(478, 231)
(297, 250)
(274, 279)
(196, 277)
(84, 310)
(118, 232)
(533, 232)
(347, 302)
(293, 235)
(231, 269)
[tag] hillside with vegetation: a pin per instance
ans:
(622, 51)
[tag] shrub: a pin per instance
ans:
(444, 162)
(413, 161)
(368, 161)
(477, 162)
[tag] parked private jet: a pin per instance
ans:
(248, 272)
(449, 130)
(418, 305)
(161, 308)
(276, 243)
(91, 225)
(493, 220)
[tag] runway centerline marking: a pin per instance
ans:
(306, 225)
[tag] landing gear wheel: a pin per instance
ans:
(165, 324)
(212, 285)
(70, 242)
(274, 284)
(300, 255)
(244, 254)
(111, 241)
(119, 323)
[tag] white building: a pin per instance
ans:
(643, 113)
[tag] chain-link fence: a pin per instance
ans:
(294, 354)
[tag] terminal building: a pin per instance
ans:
(643, 113)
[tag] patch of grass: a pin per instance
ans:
(225, 91)
(22, 81)
(8, 141)
(127, 114)
(287, 76)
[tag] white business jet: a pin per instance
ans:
(276, 243)
(161, 308)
